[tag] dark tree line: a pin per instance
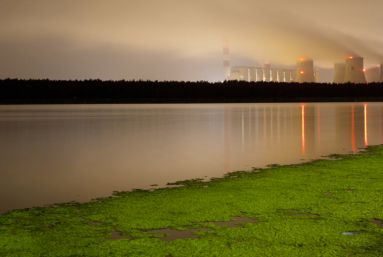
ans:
(178, 91)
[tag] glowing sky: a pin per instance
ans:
(180, 39)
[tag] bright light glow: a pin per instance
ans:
(364, 70)
(350, 57)
(302, 72)
(302, 59)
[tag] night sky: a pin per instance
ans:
(181, 39)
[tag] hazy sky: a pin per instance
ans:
(181, 39)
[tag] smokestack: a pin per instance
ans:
(354, 72)
(305, 71)
(226, 59)
(373, 74)
(339, 72)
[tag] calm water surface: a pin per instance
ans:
(59, 153)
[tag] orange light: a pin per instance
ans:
(364, 70)
(302, 72)
(303, 128)
(350, 57)
(302, 59)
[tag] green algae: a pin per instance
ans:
(302, 209)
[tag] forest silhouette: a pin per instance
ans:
(14, 91)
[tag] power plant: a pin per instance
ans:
(252, 74)
(351, 71)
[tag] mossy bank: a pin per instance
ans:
(321, 208)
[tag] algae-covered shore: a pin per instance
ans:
(320, 208)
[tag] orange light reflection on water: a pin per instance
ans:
(303, 129)
(318, 125)
(352, 130)
(365, 125)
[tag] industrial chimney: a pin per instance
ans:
(226, 59)
(339, 71)
(354, 72)
(305, 71)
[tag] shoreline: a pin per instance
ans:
(289, 210)
(189, 100)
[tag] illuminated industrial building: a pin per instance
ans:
(251, 74)
(351, 71)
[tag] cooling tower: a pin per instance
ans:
(339, 71)
(373, 74)
(354, 72)
(226, 59)
(259, 74)
(305, 71)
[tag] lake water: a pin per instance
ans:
(59, 153)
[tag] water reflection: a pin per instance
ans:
(352, 130)
(78, 152)
(365, 124)
(303, 129)
(318, 125)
